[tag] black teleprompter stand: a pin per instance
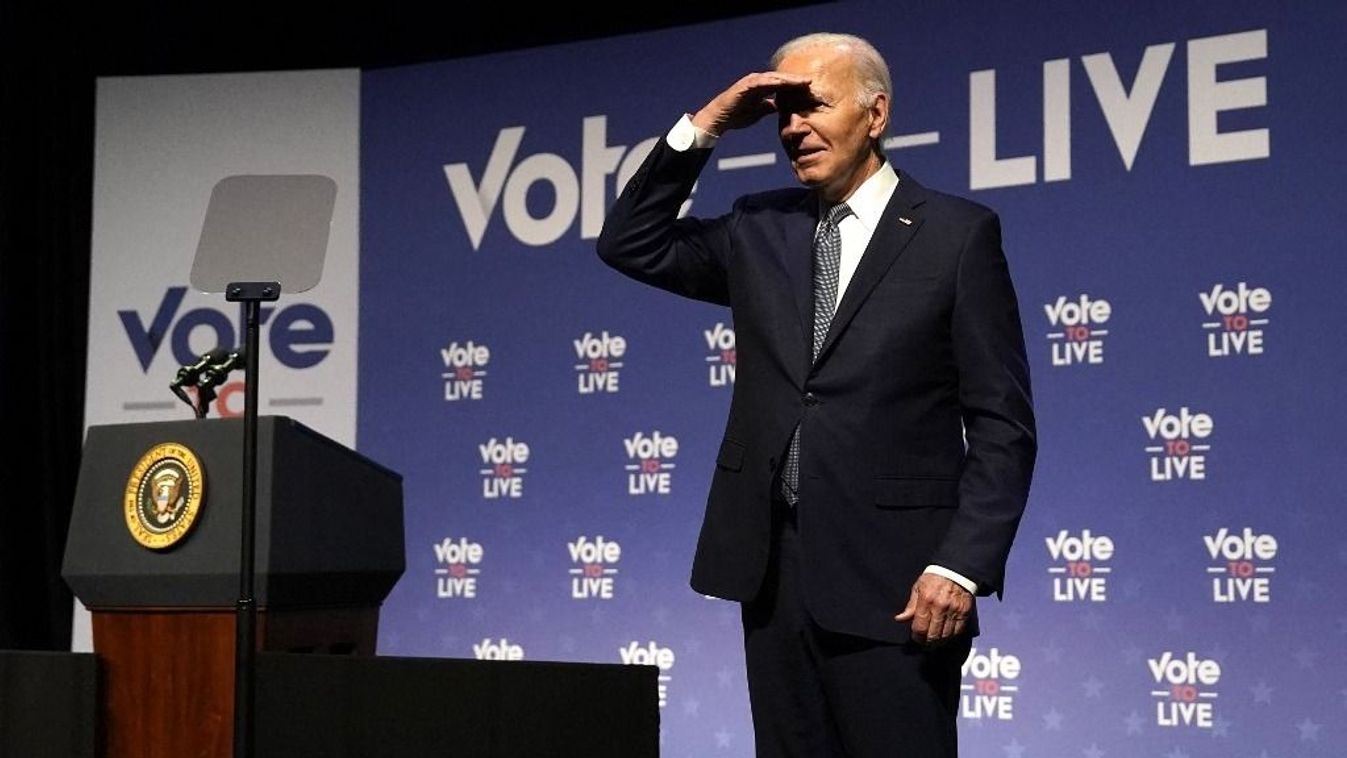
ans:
(252, 295)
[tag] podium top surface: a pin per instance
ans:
(169, 428)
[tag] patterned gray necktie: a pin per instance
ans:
(827, 260)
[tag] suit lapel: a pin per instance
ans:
(797, 258)
(897, 226)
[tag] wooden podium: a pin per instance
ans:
(329, 549)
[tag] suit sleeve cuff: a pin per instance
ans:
(685, 135)
(955, 577)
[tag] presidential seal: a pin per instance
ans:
(163, 495)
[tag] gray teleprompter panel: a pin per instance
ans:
(265, 228)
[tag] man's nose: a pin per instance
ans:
(793, 124)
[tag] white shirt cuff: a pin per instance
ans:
(955, 577)
(685, 135)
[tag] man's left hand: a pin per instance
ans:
(938, 609)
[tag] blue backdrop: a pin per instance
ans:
(1169, 181)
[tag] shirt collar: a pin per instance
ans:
(870, 199)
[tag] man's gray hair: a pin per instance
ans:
(871, 70)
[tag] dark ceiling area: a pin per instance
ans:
(129, 38)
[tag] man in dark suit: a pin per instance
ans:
(881, 437)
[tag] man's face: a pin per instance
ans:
(825, 130)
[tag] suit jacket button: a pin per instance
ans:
(810, 399)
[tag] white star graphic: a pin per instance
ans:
(724, 677)
(1262, 693)
(1220, 727)
(1093, 687)
(1309, 731)
(723, 738)
(1052, 720)
(1092, 751)
(691, 706)
(1133, 722)
(1014, 749)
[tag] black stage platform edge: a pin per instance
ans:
(369, 707)
(48, 704)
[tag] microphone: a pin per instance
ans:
(218, 369)
(190, 374)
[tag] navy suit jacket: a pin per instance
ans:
(917, 429)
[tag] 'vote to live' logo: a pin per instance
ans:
(650, 470)
(991, 694)
(1081, 339)
(1237, 328)
(464, 370)
(497, 650)
(1077, 575)
(1243, 570)
(653, 654)
(723, 358)
(593, 567)
(502, 468)
(459, 566)
(600, 362)
(1188, 689)
(1181, 453)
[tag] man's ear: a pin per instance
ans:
(879, 115)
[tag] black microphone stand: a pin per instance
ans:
(191, 376)
(252, 295)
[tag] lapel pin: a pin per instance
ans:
(906, 221)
